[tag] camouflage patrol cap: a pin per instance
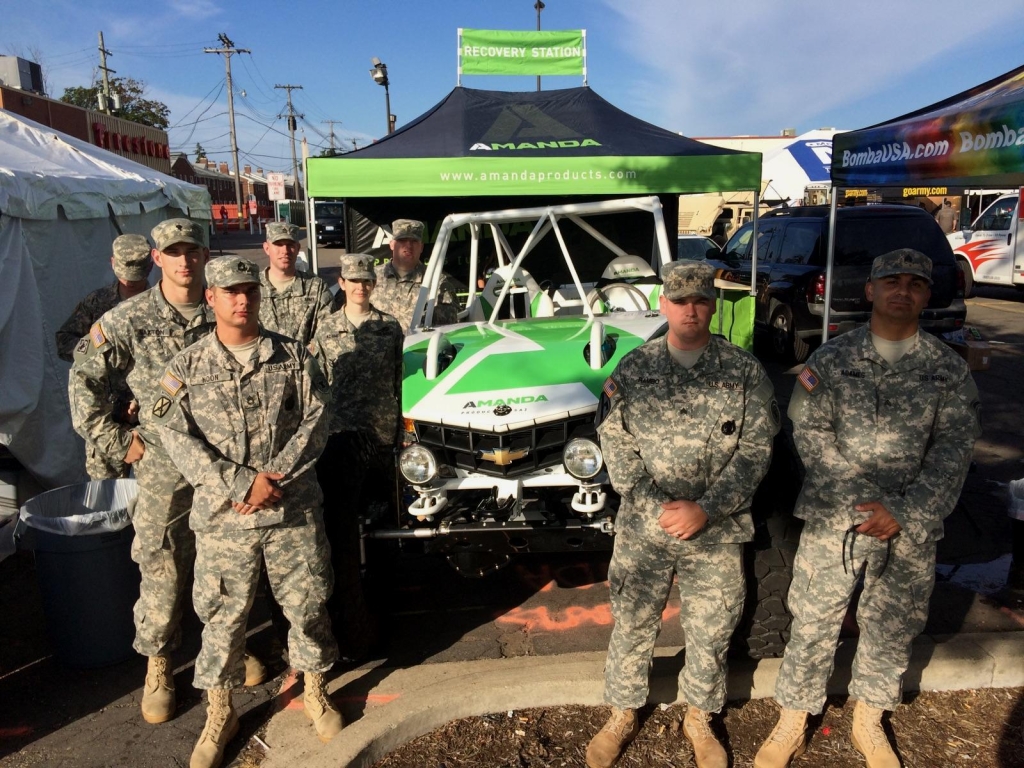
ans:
(357, 266)
(282, 230)
(167, 233)
(132, 258)
(407, 229)
(684, 278)
(225, 271)
(903, 261)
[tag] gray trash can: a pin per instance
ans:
(82, 536)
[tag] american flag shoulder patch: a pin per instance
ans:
(610, 387)
(97, 336)
(808, 378)
(171, 383)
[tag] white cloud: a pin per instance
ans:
(195, 10)
(769, 65)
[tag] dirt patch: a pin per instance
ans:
(980, 729)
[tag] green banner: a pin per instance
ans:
(476, 176)
(501, 52)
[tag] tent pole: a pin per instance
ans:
(753, 244)
(314, 255)
(829, 261)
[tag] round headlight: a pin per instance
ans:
(417, 464)
(582, 458)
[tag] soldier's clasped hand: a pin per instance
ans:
(881, 524)
(263, 493)
(682, 519)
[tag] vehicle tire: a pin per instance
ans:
(968, 277)
(787, 345)
(764, 626)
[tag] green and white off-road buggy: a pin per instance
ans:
(500, 407)
(501, 454)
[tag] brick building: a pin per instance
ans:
(141, 143)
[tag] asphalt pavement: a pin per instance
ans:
(532, 635)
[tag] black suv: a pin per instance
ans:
(330, 223)
(791, 251)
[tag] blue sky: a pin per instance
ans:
(699, 67)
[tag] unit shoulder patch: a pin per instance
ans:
(162, 406)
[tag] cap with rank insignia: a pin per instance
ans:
(132, 259)
(683, 279)
(357, 266)
(903, 261)
(282, 230)
(225, 271)
(167, 233)
(407, 229)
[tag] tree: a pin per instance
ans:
(134, 105)
(200, 152)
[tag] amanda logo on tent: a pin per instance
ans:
(563, 144)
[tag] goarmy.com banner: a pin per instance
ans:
(503, 52)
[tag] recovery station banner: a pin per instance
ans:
(503, 52)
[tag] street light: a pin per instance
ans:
(539, 5)
(379, 73)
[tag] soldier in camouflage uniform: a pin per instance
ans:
(135, 340)
(242, 415)
(293, 303)
(687, 437)
(360, 350)
(399, 280)
(132, 264)
(885, 419)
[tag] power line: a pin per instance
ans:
(219, 86)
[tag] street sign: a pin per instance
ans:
(275, 186)
(252, 208)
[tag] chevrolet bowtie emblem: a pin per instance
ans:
(503, 456)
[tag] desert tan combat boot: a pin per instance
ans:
(786, 742)
(255, 672)
(606, 747)
(869, 738)
(221, 727)
(158, 702)
(320, 709)
(707, 751)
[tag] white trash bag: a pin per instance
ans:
(84, 509)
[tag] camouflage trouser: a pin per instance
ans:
(99, 467)
(164, 548)
(227, 570)
(892, 611)
(711, 591)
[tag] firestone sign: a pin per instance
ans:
(122, 143)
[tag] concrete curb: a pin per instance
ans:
(395, 706)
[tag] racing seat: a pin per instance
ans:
(525, 298)
(623, 281)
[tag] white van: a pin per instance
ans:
(990, 251)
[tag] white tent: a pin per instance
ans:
(62, 203)
(805, 160)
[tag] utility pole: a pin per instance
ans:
(330, 137)
(226, 52)
(291, 131)
(105, 101)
